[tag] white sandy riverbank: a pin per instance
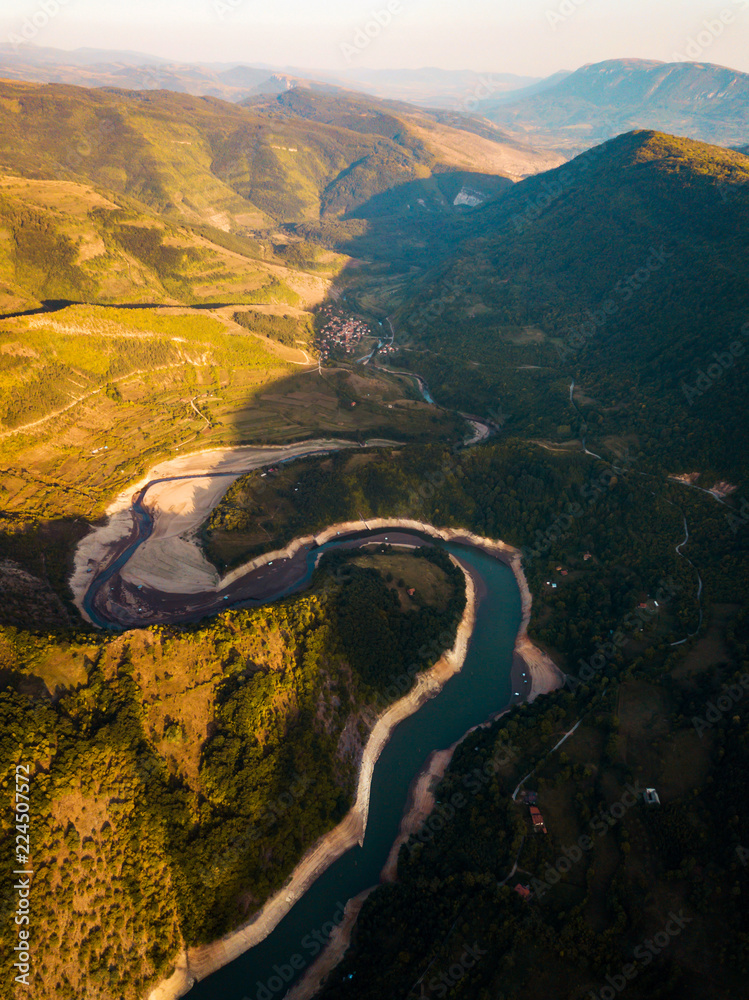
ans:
(171, 562)
(546, 676)
(197, 963)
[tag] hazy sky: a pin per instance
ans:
(531, 37)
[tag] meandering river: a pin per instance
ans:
(480, 689)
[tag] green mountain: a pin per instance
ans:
(625, 269)
(166, 755)
(337, 169)
(457, 140)
(60, 239)
(206, 161)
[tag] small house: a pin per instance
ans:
(651, 797)
(537, 819)
(523, 891)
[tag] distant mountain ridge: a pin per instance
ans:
(437, 129)
(233, 81)
(698, 100)
(281, 83)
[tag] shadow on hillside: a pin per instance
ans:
(399, 233)
(412, 224)
(35, 563)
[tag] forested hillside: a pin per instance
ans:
(596, 315)
(625, 270)
(185, 771)
(619, 894)
(205, 161)
(647, 663)
(61, 240)
(556, 508)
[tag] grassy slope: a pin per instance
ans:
(64, 240)
(89, 394)
(157, 198)
(91, 397)
(135, 157)
(479, 150)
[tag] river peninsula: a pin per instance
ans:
(269, 577)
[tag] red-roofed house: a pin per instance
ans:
(537, 819)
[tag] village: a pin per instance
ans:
(344, 331)
(340, 330)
